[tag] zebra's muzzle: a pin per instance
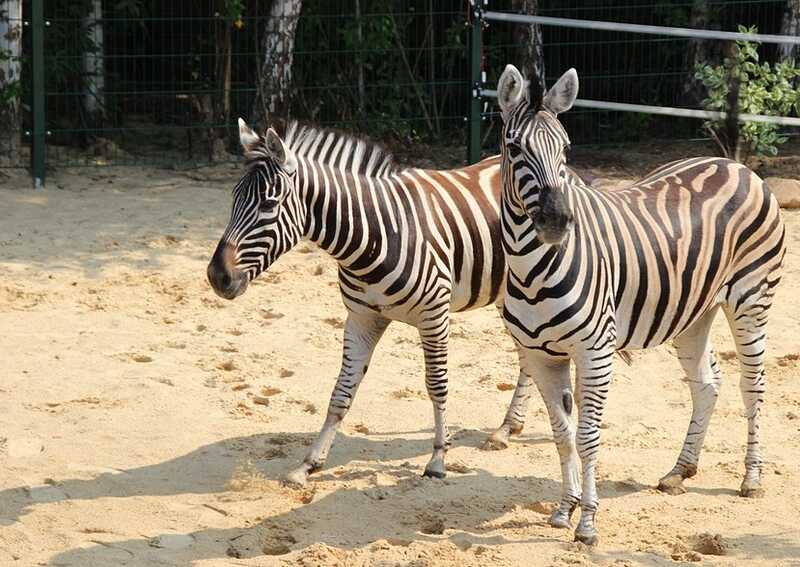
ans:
(227, 281)
(551, 216)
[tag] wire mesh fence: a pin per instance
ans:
(162, 82)
(627, 67)
(139, 82)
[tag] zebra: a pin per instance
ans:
(593, 271)
(412, 245)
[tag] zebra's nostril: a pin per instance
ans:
(225, 280)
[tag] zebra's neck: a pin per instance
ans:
(342, 207)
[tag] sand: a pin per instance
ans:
(144, 421)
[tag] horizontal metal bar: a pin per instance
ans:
(244, 18)
(639, 28)
(161, 127)
(671, 111)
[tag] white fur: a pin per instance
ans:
(247, 137)
(561, 96)
(510, 89)
(280, 152)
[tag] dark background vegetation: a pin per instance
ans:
(160, 59)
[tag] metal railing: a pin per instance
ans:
(479, 17)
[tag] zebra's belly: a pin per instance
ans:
(374, 302)
(416, 308)
(651, 325)
(466, 297)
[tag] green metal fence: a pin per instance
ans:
(159, 76)
(399, 70)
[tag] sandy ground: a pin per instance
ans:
(129, 433)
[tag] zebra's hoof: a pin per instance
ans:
(497, 441)
(560, 519)
(751, 490)
(430, 473)
(672, 484)
(296, 478)
(588, 537)
(435, 467)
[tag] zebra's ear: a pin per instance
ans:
(561, 96)
(280, 153)
(510, 90)
(249, 139)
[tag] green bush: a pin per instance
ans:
(763, 89)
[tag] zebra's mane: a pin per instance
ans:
(341, 150)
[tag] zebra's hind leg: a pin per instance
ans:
(514, 420)
(435, 334)
(361, 335)
(748, 327)
(553, 381)
(704, 377)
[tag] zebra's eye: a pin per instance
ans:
(267, 204)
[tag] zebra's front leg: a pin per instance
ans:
(553, 381)
(434, 334)
(514, 420)
(361, 335)
(593, 381)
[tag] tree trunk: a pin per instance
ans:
(699, 52)
(528, 38)
(221, 113)
(277, 52)
(94, 79)
(10, 86)
(432, 68)
(362, 96)
(790, 26)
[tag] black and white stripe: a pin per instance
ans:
(412, 245)
(595, 271)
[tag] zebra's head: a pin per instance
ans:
(267, 217)
(533, 146)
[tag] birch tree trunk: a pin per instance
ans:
(94, 78)
(790, 26)
(528, 38)
(277, 52)
(10, 75)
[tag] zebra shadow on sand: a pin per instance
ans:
(469, 505)
(263, 518)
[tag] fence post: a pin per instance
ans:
(475, 83)
(39, 130)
